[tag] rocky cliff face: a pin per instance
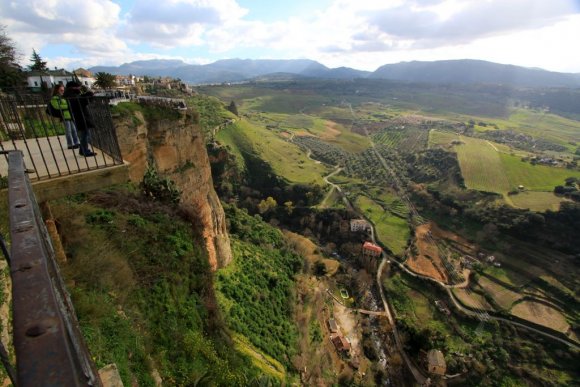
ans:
(177, 150)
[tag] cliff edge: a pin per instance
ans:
(174, 145)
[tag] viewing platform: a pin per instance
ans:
(53, 169)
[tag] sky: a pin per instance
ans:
(361, 34)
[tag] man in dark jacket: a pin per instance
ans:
(78, 103)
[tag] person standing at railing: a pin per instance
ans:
(59, 103)
(78, 103)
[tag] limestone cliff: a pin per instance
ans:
(177, 150)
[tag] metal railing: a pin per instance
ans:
(49, 347)
(26, 126)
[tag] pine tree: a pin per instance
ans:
(37, 63)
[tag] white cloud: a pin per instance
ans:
(430, 27)
(172, 23)
(362, 34)
(88, 25)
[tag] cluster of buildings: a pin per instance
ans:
(50, 78)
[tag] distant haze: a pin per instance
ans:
(454, 71)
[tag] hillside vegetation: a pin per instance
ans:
(143, 291)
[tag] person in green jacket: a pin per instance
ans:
(59, 103)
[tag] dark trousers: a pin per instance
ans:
(84, 138)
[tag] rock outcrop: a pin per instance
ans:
(177, 150)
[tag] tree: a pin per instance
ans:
(266, 205)
(105, 80)
(233, 108)
(319, 269)
(37, 63)
(289, 207)
(10, 72)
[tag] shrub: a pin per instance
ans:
(157, 188)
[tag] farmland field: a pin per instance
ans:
(472, 299)
(503, 296)
(534, 177)
(541, 314)
(411, 139)
(537, 201)
(505, 275)
(391, 230)
(486, 166)
(545, 125)
(481, 166)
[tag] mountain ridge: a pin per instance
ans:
(459, 71)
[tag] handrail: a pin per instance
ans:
(26, 126)
(49, 347)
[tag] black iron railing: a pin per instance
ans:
(26, 126)
(49, 347)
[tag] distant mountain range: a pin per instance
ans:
(464, 71)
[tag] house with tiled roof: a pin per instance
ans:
(372, 249)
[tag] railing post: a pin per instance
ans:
(50, 350)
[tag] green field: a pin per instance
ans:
(286, 159)
(551, 127)
(391, 230)
(481, 166)
(486, 166)
(537, 201)
(534, 177)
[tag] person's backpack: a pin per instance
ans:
(52, 111)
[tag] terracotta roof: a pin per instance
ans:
(341, 343)
(372, 247)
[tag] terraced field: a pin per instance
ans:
(502, 295)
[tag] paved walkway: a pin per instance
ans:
(49, 158)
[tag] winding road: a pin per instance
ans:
(418, 374)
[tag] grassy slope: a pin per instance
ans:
(287, 160)
(140, 292)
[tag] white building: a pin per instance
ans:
(50, 78)
(359, 225)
